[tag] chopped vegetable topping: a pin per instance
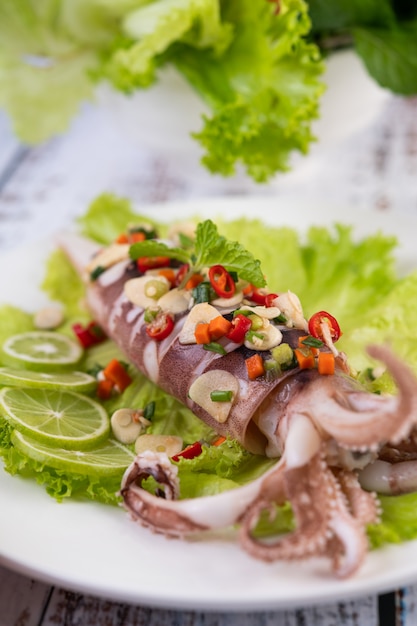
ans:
(96, 272)
(190, 452)
(219, 327)
(221, 395)
(117, 373)
(321, 322)
(160, 327)
(326, 363)
(305, 358)
(239, 327)
(89, 335)
(146, 263)
(202, 333)
(214, 347)
(221, 281)
(255, 366)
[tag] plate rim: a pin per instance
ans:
(360, 585)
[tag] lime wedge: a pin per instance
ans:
(108, 459)
(58, 418)
(41, 350)
(73, 381)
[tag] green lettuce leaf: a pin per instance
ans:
(108, 216)
(398, 521)
(264, 93)
(249, 63)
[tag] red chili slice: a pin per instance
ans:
(322, 317)
(258, 297)
(89, 335)
(269, 299)
(240, 326)
(161, 327)
(145, 263)
(190, 452)
(182, 272)
(221, 281)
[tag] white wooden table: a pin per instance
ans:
(42, 188)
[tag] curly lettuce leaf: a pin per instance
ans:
(398, 521)
(250, 63)
(264, 94)
(108, 216)
(151, 28)
(43, 66)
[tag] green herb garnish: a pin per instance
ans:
(209, 248)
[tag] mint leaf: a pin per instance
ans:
(211, 248)
(390, 56)
(151, 248)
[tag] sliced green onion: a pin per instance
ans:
(257, 321)
(280, 319)
(155, 289)
(95, 370)
(312, 342)
(221, 395)
(244, 312)
(150, 233)
(202, 293)
(97, 271)
(214, 347)
(150, 314)
(149, 410)
(283, 355)
(251, 335)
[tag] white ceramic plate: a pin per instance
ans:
(97, 549)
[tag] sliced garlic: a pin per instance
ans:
(170, 444)
(127, 425)
(269, 337)
(290, 306)
(214, 380)
(135, 290)
(49, 317)
(175, 301)
(199, 314)
(268, 312)
(109, 256)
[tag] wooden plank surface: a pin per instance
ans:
(44, 187)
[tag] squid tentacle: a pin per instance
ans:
(175, 517)
(358, 419)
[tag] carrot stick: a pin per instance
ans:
(104, 389)
(202, 333)
(326, 363)
(135, 237)
(255, 366)
(305, 359)
(168, 273)
(117, 373)
(315, 351)
(218, 327)
(193, 281)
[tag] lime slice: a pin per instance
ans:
(42, 350)
(58, 418)
(108, 459)
(73, 381)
